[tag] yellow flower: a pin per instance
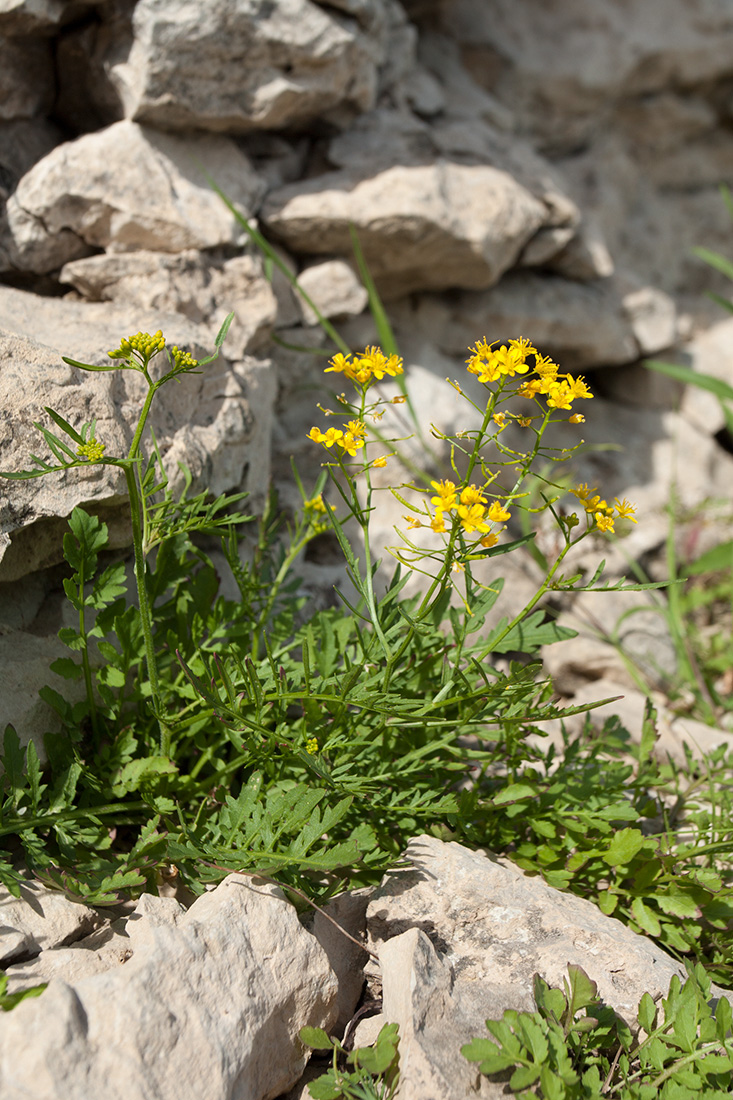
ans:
(497, 513)
(372, 364)
(412, 521)
(349, 444)
(458, 567)
(499, 419)
(311, 746)
(380, 462)
(472, 518)
(356, 428)
(472, 495)
(91, 450)
(446, 498)
(604, 522)
(328, 438)
(490, 540)
(576, 418)
(399, 400)
(438, 522)
(624, 509)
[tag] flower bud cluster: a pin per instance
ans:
(91, 450)
(142, 345)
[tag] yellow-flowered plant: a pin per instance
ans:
(468, 510)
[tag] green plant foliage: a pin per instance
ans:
(575, 1048)
(366, 1073)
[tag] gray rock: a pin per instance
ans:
(36, 17)
(428, 226)
(334, 287)
(198, 285)
(216, 422)
(581, 325)
(127, 188)
(40, 920)
(345, 958)
(107, 947)
(496, 928)
(26, 77)
(210, 1005)
(244, 67)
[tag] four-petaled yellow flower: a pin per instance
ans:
(364, 369)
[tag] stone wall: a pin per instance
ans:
(510, 169)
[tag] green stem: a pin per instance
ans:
(131, 474)
(21, 824)
(85, 656)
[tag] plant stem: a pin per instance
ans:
(131, 475)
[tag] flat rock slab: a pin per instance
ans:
(208, 1006)
(460, 936)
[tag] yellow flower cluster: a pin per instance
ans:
(470, 505)
(604, 514)
(183, 360)
(350, 441)
(145, 345)
(366, 368)
(491, 364)
(311, 746)
(314, 511)
(91, 450)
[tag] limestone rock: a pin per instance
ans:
(107, 947)
(26, 77)
(127, 188)
(345, 958)
(492, 929)
(581, 325)
(23, 143)
(210, 1005)
(216, 422)
(36, 17)
(559, 69)
(239, 66)
(335, 289)
(41, 919)
(428, 226)
(198, 285)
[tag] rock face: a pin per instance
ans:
(216, 424)
(243, 66)
(209, 1004)
(123, 189)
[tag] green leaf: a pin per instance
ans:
(65, 426)
(723, 1018)
(523, 1077)
(716, 260)
(514, 792)
(647, 1013)
(316, 1038)
(716, 560)
(582, 991)
(716, 386)
(67, 667)
(645, 917)
(94, 367)
(12, 761)
(626, 844)
(138, 772)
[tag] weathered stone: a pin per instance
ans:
(41, 919)
(558, 70)
(107, 947)
(128, 188)
(438, 225)
(26, 77)
(216, 422)
(244, 66)
(345, 957)
(200, 286)
(334, 287)
(36, 17)
(22, 144)
(581, 325)
(492, 929)
(208, 1006)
